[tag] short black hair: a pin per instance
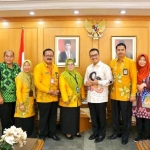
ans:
(93, 49)
(47, 49)
(67, 42)
(9, 51)
(121, 44)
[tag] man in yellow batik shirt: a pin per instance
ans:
(123, 92)
(46, 82)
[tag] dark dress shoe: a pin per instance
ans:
(114, 136)
(69, 137)
(99, 139)
(124, 141)
(55, 137)
(92, 137)
(78, 135)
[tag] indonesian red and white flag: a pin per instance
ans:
(21, 50)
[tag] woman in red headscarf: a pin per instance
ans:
(141, 109)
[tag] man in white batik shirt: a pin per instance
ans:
(98, 77)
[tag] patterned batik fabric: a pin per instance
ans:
(7, 81)
(141, 109)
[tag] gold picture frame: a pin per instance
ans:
(129, 41)
(62, 43)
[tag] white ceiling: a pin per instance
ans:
(21, 8)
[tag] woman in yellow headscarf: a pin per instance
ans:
(72, 92)
(24, 111)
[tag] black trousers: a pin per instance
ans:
(7, 111)
(48, 118)
(27, 124)
(98, 117)
(69, 120)
(143, 126)
(121, 110)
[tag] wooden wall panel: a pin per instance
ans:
(41, 36)
(31, 45)
(85, 43)
(10, 40)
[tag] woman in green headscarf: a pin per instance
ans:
(25, 91)
(72, 93)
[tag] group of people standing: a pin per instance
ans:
(129, 85)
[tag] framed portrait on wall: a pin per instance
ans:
(129, 41)
(66, 47)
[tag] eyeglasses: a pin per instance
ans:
(94, 55)
(48, 56)
(70, 65)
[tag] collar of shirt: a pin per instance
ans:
(46, 65)
(67, 52)
(6, 66)
(98, 64)
(124, 59)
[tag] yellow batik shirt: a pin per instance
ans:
(45, 79)
(67, 94)
(22, 93)
(125, 79)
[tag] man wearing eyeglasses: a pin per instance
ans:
(8, 72)
(98, 77)
(46, 82)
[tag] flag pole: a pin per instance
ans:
(21, 49)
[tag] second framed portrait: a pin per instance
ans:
(66, 47)
(129, 41)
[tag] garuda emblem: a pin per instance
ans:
(95, 30)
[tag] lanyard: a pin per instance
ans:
(75, 78)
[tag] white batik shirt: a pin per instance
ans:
(98, 93)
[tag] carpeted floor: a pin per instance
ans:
(84, 144)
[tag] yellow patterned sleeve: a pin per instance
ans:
(133, 74)
(19, 92)
(63, 90)
(83, 92)
(38, 79)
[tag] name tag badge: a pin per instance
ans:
(56, 73)
(52, 81)
(125, 71)
(77, 89)
(30, 93)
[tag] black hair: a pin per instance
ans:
(67, 42)
(93, 49)
(121, 44)
(47, 49)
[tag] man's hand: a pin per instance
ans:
(53, 92)
(88, 83)
(1, 100)
(91, 83)
(56, 92)
(95, 82)
(67, 102)
(22, 108)
(132, 98)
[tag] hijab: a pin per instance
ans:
(26, 78)
(73, 78)
(144, 71)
